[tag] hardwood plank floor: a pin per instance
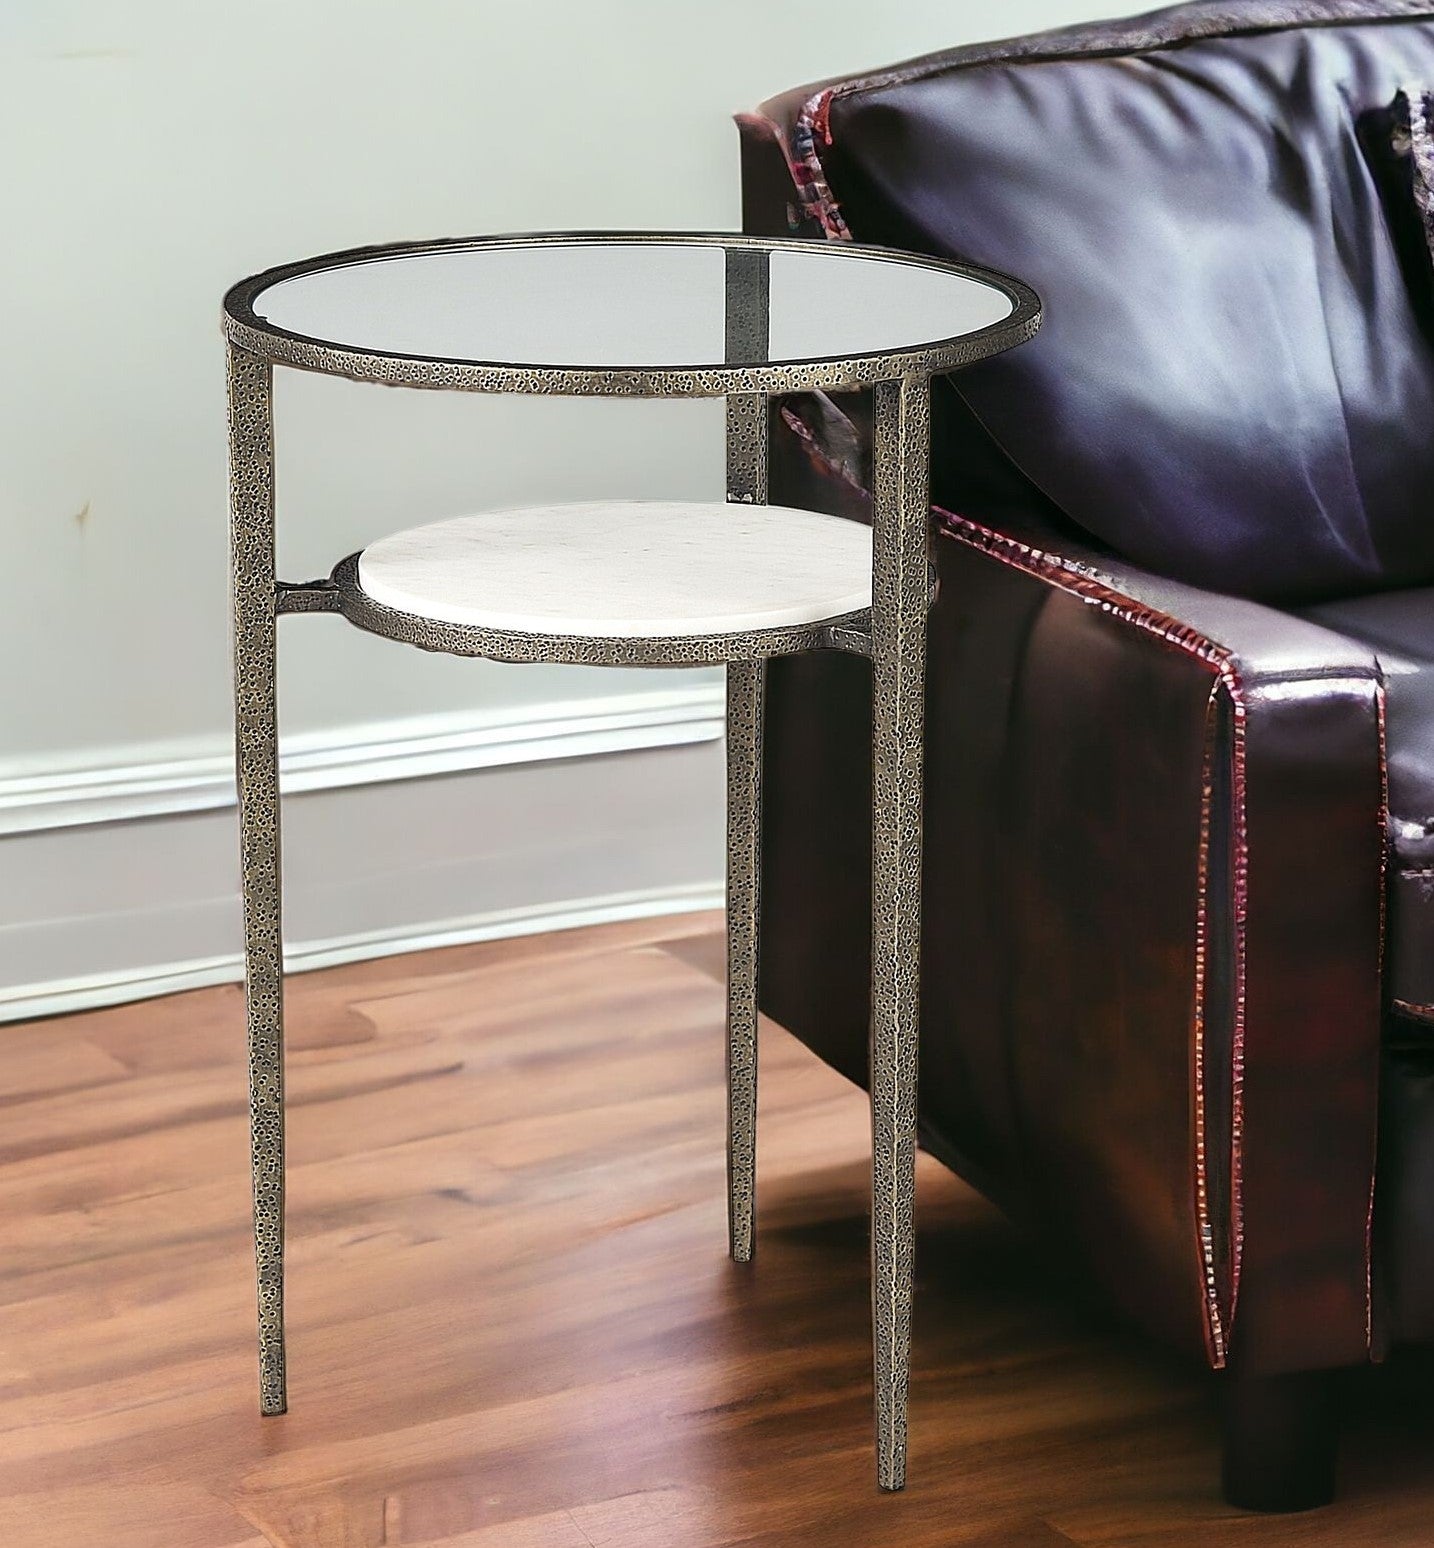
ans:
(512, 1321)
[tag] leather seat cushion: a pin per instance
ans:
(1400, 626)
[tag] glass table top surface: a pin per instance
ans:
(625, 301)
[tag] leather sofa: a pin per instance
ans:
(1179, 882)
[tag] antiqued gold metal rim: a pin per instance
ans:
(250, 332)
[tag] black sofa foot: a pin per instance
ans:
(1281, 1436)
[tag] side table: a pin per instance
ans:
(631, 584)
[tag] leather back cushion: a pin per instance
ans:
(1235, 380)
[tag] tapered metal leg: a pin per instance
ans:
(745, 683)
(251, 463)
(901, 456)
(747, 307)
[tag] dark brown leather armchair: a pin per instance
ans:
(1179, 930)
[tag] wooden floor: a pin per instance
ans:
(512, 1321)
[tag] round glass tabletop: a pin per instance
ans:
(681, 313)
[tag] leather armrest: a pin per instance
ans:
(1286, 1004)
(1259, 642)
(1169, 1024)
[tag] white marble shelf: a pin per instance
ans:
(641, 569)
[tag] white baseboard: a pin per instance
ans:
(123, 884)
(163, 784)
(28, 1002)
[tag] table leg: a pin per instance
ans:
(747, 305)
(901, 457)
(745, 682)
(251, 472)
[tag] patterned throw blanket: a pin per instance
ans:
(1414, 139)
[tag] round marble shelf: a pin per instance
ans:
(625, 568)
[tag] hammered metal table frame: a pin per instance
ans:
(893, 634)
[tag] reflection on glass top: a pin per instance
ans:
(629, 303)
